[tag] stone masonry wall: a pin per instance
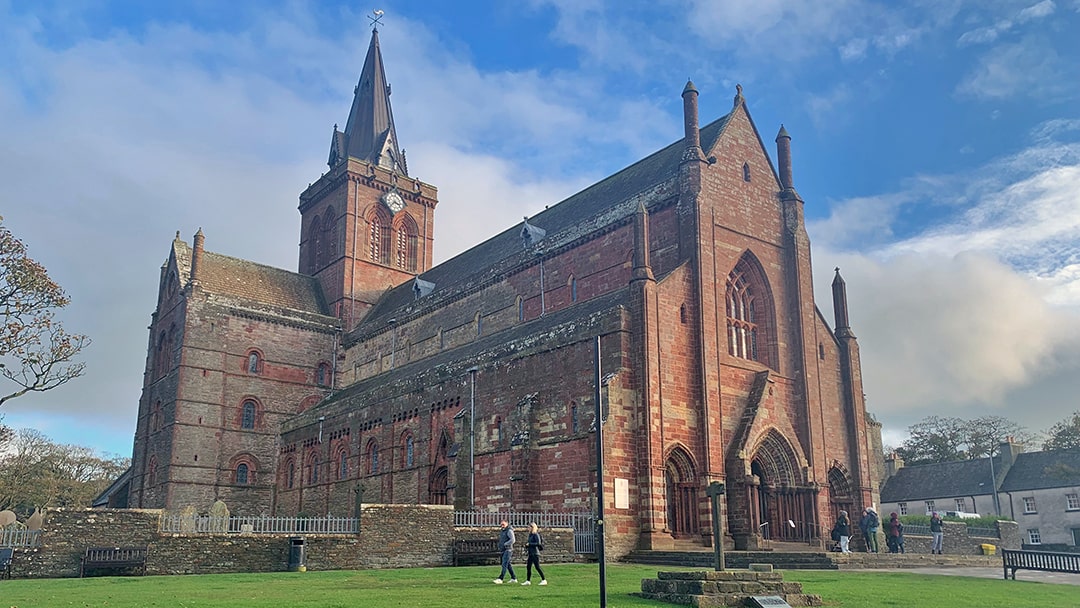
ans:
(392, 536)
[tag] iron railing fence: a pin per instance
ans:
(983, 532)
(916, 530)
(260, 524)
(16, 537)
(583, 523)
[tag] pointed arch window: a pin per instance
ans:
(328, 239)
(290, 474)
(342, 464)
(573, 289)
(749, 313)
(521, 308)
(373, 457)
(314, 234)
(407, 243)
(322, 374)
(407, 450)
(151, 472)
(379, 236)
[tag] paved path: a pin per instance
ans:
(984, 572)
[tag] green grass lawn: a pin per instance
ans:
(570, 585)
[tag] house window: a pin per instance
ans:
(254, 363)
(242, 474)
(903, 508)
(1072, 502)
(961, 504)
(1076, 536)
(930, 507)
(1029, 505)
(1034, 538)
(247, 417)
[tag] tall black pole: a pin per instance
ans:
(600, 481)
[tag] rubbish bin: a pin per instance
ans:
(988, 549)
(296, 554)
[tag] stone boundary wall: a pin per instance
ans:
(957, 541)
(392, 536)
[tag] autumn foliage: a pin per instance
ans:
(36, 354)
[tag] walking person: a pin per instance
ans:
(506, 543)
(843, 530)
(533, 548)
(937, 533)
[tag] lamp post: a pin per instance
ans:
(472, 436)
(993, 484)
(600, 478)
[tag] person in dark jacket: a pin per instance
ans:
(843, 530)
(937, 533)
(894, 532)
(533, 548)
(506, 543)
(870, 524)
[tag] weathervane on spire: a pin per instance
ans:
(376, 21)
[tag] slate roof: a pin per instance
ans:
(579, 314)
(942, 480)
(249, 284)
(1041, 470)
(587, 207)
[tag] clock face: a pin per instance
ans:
(393, 201)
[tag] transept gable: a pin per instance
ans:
(738, 118)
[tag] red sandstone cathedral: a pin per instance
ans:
(369, 374)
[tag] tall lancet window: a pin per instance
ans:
(379, 237)
(406, 246)
(743, 314)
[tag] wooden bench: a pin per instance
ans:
(476, 551)
(113, 558)
(5, 562)
(1046, 561)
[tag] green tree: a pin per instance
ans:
(937, 439)
(36, 472)
(1064, 435)
(36, 354)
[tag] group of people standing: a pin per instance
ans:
(533, 548)
(870, 524)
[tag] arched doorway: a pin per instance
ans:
(437, 492)
(682, 495)
(840, 495)
(782, 503)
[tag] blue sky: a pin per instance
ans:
(936, 144)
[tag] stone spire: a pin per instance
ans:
(369, 134)
(840, 306)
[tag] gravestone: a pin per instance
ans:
(35, 521)
(219, 517)
(188, 515)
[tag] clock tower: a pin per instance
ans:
(366, 225)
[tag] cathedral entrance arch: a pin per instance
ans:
(840, 494)
(438, 486)
(781, 502)
(682, 494)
